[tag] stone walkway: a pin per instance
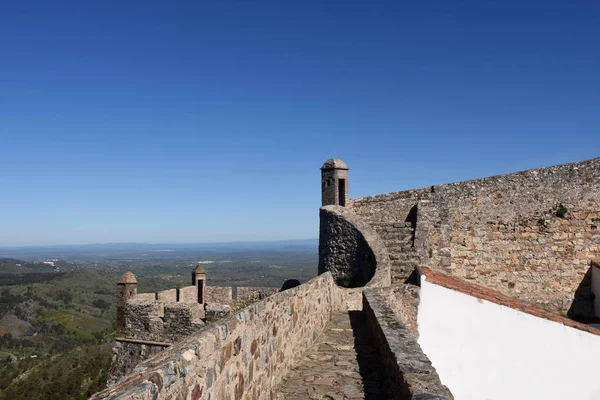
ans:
(343, 365)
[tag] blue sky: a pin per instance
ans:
(208, 120)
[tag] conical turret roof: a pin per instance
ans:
(127, 278)
(199, 269)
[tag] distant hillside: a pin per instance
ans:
(74, 375)
(44, 318)
(54, 311)
(14, 266)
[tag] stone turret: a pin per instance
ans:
(334, 183)
(126, 290)
(199, 280)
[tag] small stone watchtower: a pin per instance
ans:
(126, 290)
(334, 183)
(199, 280)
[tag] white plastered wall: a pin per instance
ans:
(485, 351)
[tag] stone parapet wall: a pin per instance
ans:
(244, 356)
(188, 294)
(145, 296)
(161, 322)
(218, 295)
(390, 207)
(509, 232)
(248, 294)
(143, 320)
(181, 319)
(408, 370)
(126, 355)
(168, 295)
(404, 301)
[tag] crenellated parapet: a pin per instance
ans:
(150, 322)
(245, 355)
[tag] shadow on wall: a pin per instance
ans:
(582, 307)
(370, 367)
(343, 248)
(412, 216)
(360, 276)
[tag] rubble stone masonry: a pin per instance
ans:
(244, 356)
(218, 295)
(408, 370)
(246, 294)
(188, 294)
(529, 234)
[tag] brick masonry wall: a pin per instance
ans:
(504, 231)
(244, 356)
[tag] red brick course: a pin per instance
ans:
(480, 292)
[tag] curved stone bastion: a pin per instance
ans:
(351, 250)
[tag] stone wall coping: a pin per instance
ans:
(493, 296)
(143, 300)
(148, 342)
(407, 368)
(538, 172)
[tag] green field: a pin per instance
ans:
(81, 324)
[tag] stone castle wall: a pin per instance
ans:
(351, 250)
(161, 322)
(244, 356)
(146, 296)
(218, 295)
(249, 294)
(506, 232)
(403, 300)
(188, 294)
(128, 354)
(168, 295)
(154, 321)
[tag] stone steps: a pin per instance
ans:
(398, 238)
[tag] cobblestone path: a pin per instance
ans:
(343, 365)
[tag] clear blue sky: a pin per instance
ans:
(208, 120)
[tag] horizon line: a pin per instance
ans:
(154, 243)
